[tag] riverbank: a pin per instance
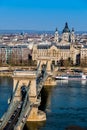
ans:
(10, 68)
(8, 74)
(69, 70)
(8, 71)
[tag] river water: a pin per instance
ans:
(65, 104)
(6, 85)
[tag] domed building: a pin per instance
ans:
(61, 48)
(66, 33)
(67, 36)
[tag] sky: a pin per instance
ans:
(43, 14)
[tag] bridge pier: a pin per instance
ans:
(36, 115)
(50, 81)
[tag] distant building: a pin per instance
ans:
(62, 48)
(14, 54)
(66, 33)
(59, 49)
(83, 54)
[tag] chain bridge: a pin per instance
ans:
(26, 98)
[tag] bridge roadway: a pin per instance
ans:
(6, 118)
(13, 119)
(41, 83)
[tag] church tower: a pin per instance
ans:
(66, 33)
(56, 36)
(72, 36)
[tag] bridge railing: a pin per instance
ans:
(27, 96)
(42, 79)
(8, 115)
(23, 117)
(41, 83)
(38, 68)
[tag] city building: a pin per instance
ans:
(60, 49)
(55, 52)
(14, 54)
(67, 36)
(19, 48)
(83, 56)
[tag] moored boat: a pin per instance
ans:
(72, 77)
(62, 77)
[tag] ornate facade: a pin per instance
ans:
(59, 49)
(55, 52)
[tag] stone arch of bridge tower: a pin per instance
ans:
(53, 62)
(23, 91)
(43, 65)
(24, 78)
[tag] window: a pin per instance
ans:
(54, 53)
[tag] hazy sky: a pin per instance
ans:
(43, 14)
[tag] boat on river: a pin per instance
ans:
(72, 77)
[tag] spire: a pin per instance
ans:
(72, 29)
(56, 36)
(56, 29)
(66, 25)
(72, 36)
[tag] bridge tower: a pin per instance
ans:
(44, 61)
(24, 78)
(47, 62)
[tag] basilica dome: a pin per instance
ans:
(66, 28)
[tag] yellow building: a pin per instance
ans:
(55, 52)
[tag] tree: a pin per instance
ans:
(61, 62)
(68, 62)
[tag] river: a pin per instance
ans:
(65, 104)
